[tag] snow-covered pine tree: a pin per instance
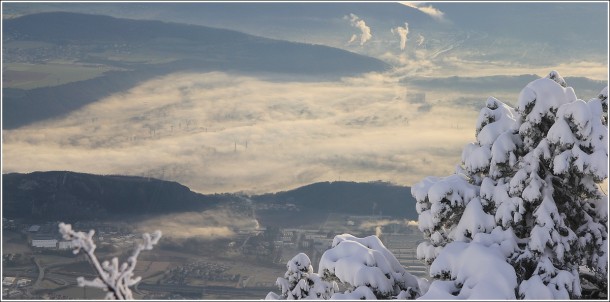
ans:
(300, 282)
(532, 179)
(367, 269)
(565, 157)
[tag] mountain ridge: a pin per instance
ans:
(62, 27)
(55, 195)
(375, 198)
(72, 195)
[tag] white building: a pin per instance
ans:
(23, 282)
(44, 243)
(8, 281)
(65, 245)
(315, 236)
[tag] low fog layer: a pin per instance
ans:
(219, 132)
(210, 224)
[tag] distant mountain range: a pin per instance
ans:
(503, 83)
(56, 195)
(218, 48)
(174, 47)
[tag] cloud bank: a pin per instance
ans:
(220, 132)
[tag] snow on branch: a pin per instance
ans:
(525, 191)
(300, 282)
(368, 269)
(112, 277)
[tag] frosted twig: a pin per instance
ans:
(112, 277)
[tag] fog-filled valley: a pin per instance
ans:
(257, 136)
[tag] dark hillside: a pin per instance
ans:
(234, 49)
(372, 198)
(57, 195)
(69, 195)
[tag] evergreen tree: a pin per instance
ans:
(367, 269)
(300, 282)
(534, 171)
(565, 157)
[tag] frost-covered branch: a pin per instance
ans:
(112, 277)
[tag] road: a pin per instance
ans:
(40, 274)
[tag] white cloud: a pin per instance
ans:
(426, 9)
(365, 31)
(402, 32)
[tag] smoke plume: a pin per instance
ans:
(365, 31)
(402, 33)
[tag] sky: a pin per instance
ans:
(226, 132)
(442, 38)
